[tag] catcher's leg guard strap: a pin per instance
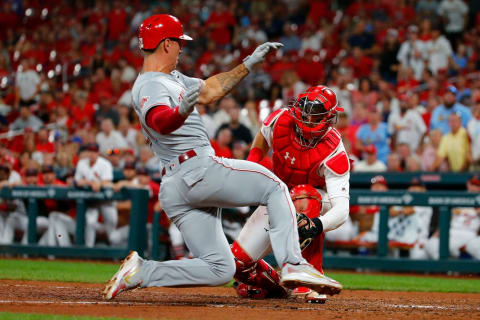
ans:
(245, 266)
(267, 278)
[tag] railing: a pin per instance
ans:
(138, 219)
(442, 199)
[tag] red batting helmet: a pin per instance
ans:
(157, 28)
(314, 111)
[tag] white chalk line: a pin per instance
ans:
(129, 303)
(30, 286)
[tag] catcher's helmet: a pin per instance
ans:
(307, 200)
(314, 111)
(157, 28)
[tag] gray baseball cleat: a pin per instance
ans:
(305, 275)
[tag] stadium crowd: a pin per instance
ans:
(406, 73)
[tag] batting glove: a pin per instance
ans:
(189, 100)
(260, 53)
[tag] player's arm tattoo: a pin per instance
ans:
(230, 79)
(221, 84)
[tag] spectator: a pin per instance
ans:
(220, 23)
(394, 163)
(82, 110)
(441, 114)
(439, 51)
(365, 94)
(407, 126)
(222, 142)
(413, 52)
(239, 131)
(43, 144)
(8, 176)
(473, 129)
(109, 138)
(454, 147)
(27, 84)
(26, 120)
(374, 132)
(454, 14)
(129, 134)
(292, 86)
(207, 120)
(427, 8)
(412, 164)
(95, 172)
(459, 59)
(388, 57)
(291, 41)
(430, 150)
(360, 63)
(222, 115)
(105, 109)
(361, 37)
(147, 160)
(370, 162)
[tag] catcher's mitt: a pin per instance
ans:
(308, 229)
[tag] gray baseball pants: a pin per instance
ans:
(191, 194)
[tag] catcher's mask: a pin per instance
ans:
(314, 112)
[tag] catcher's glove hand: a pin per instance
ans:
(308, 229)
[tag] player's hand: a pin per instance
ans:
(260, 53)
(308, 229)
(189, 101)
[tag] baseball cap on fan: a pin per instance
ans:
(157, 28)
(378, 179)
(371, 149)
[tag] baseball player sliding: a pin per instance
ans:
(306, 152)
(195, 183)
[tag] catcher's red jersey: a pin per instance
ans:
(293, 163)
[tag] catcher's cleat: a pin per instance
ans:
(249, 291)
(308, 295)
(123, 280)
(305, 275)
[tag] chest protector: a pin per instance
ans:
(295, 164)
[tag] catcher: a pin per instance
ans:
(307, 152)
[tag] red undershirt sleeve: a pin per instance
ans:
(255, 155)
(164, 119)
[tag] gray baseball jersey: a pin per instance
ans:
(191, 192)
(157, 88)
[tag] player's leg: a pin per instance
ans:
(119, 236)
(236, 183)
(219, 187)
(110, 217)
(213, 263)
(91, 223)
(64, 228)
(473, 248)
(257, 278)
(14, 221)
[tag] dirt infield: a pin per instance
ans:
(221, 303)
